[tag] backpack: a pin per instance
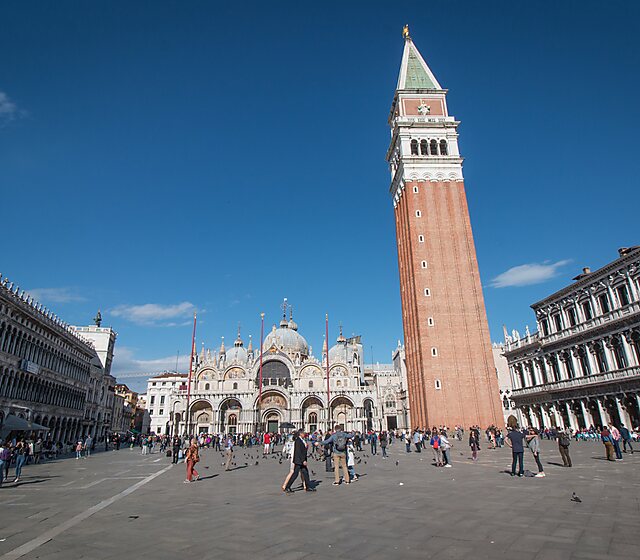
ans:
(564, 440)
(341, 442)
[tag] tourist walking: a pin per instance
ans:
(21, 453)
(615, 439)
(515, 440)
(87, 446)
(267, 443)
(434, 442)
(79, 446)
(533, 442)
(193, 457)
(5, 459)
(300, 464)
(175, 449)
(373, 440)
(383, 444)
(228, 450)
(474, 443)
(417, 440)
(607, 440)
(351, 461)
(564, 441)
(445, 446)
(626, 438)
(339, 440)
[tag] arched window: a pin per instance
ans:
(416, 190)
(443, 147)
(438, 384)
(424, 148)
(434, 351)
(310, 384)
(434, 147)
(233, 420)
(430, 321)
(424, 264)
(338, 383)
(420, 238)
(418, 214)
(206, 386)
(414, 147)
(235, 386)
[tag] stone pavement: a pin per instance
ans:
(120, 503)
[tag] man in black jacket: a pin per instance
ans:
(299, 464)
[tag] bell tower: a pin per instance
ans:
(451, 375)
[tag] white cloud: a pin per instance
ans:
(8, 109)
(155, 314)
(55, 295)
(527, 274)
(126, 365)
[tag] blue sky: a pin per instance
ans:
(158, 158)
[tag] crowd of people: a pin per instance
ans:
(337, 448)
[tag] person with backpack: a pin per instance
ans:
(564, 441)
(626, 438)
(384, 440)
(373, 440)
(339, 440)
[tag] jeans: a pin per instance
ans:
(536, 456)
(616, 447)
(518, 457)
(408, 444)
(626, 442)
(352, 472)
(564, 452)
(374, 446)
(384, 451)
(417, 444)
(20, 461)
(445, 456)
(1, 471)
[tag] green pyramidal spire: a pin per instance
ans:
(414, 72)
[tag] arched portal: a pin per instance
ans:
(311, 413)
(342, 412)
(368, 414)
(271, 420)
(200, 417)
(230, 416)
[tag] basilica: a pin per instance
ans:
(279, 387)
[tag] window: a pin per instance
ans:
(338, 383)
(313, 418)
(430, 321)
(164, 383)
(438, 384)
(424, 150)
(153, 384)
(159, 430)
(162, 399)
(557, 321)
(153, 399)
(603, 301)
(151, 412)
(623, 295)
(161, 412)
(571, 316)
(427, 292)
(424, 264)
(235, 386)
(416, 190)
(206, 386)
(420, 238)
(443, 147)
(418, 214)
(434, 352)
(414, 147)
(587, 310)
(310, 384)
(434, 147)
(544, 325)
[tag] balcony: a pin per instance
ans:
(580, 382)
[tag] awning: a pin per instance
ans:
(13, 423)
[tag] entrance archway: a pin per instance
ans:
(200, 417)
(230, 416)
(311, 412)
(342, 412)
(271, 420)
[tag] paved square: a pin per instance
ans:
(120, 504)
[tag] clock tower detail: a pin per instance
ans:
(451, 374)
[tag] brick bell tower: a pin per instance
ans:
(451, 374)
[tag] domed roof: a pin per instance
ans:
(338, 353)
(236, 354)
(286, 339)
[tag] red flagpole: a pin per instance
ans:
(326, 324)
(193, 349)
(261, 343)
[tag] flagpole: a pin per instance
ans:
(326, 325)
(193, 349)
(260, 388)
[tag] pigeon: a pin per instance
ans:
(134, 516)
(575, 498)
(313, 472)
(397, 463)
(257, 462)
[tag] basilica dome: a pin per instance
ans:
(287, 339)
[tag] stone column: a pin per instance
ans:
(604, 415)
(573, 420)
(545, 417)
(588, 417)
(622, 411)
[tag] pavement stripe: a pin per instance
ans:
(55, 531)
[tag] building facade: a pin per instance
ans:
(45, 366)
(451, 373)
(99, 404)
(582, 367)
(238, 390)
(511, 414)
